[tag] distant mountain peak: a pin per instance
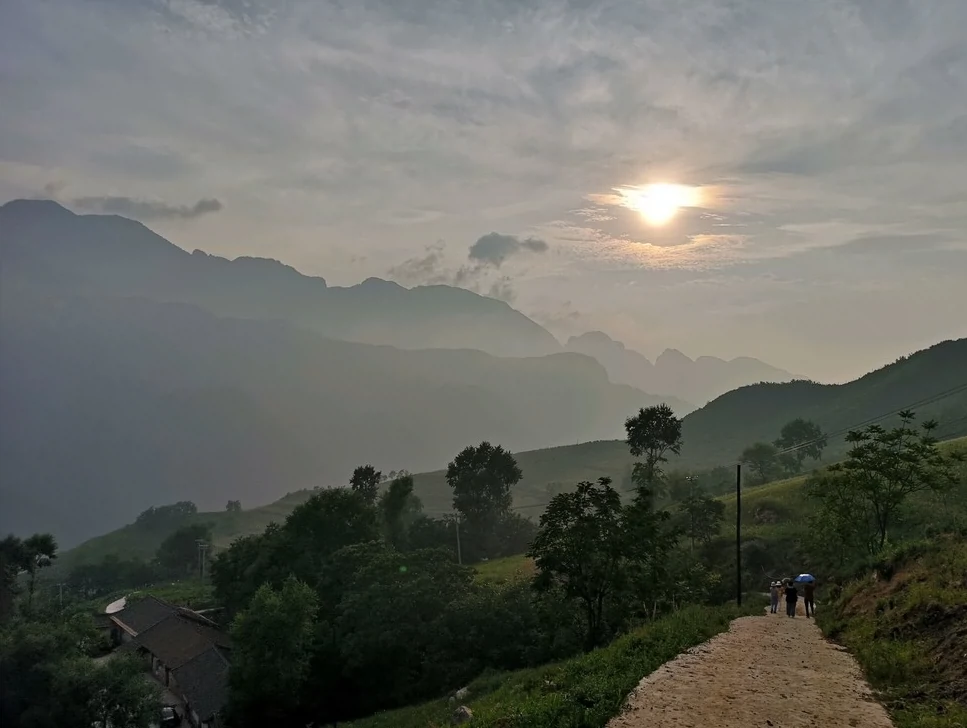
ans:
(672, 357)
(39, 208)
(595, 337)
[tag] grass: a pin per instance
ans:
(505, 569)
(909, 631)
(583, 692)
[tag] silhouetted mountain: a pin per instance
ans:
(108, 406)
(113, 256)
(673, 373)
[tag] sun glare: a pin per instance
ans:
(659, 203)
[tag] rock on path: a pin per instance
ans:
(765, 671)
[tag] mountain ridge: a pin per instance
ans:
(116, 256)
(673, 373)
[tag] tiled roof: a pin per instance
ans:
(180, 637)
(204, 682)
(144, 614)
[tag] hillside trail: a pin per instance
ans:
(765, 671)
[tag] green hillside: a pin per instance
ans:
(932, 379)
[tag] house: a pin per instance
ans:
(187, 653)
(136, 617)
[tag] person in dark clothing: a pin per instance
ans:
(792, 598)
(808, 598)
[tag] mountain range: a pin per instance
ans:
(673, 373)
(135, 373)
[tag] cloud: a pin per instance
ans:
(494, 248)
(487, 254)
(147, 209)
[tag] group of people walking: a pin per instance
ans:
(788, 589)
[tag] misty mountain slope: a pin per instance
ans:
(673, 373)
(108, 406)
(934, 380)
(44, 244)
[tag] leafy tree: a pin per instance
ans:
(481, 478)
(581, 548)
(703, 518)
(111, 574)
(806, 437)
(13, 560)
(365, 481)
(160, 518)
(234, 506)
(762, 458)
(883, 468)
(178, 553)
(330, 520)
(390, 619)
(427, 533)
(238, 571)
(39, 552)
(47, 679)
(110, 694)
(652, 433)
(273, 645)
(392, 505)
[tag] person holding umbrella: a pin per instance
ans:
(808, 582)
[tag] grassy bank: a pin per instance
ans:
(583, 692)
(906, 623)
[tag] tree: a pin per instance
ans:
(273, 645)
(884, 467)
(330, 520)
(178, 553)
(365, 481)
(703, 518)
(806, 437)
(580, 549)
(234, 506)
(481, 478)
(763, 460)
(39, 552)
(13, 560)
(114, 693)
(392, 505)
(652, 433)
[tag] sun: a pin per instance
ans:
(659, 203)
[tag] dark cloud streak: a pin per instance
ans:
(147, 209)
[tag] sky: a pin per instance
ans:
(502, 145)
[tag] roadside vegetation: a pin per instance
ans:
(583, 692)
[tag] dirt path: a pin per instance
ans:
(765, 671)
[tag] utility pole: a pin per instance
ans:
(456, 525)
(738, 534)
(202, 552)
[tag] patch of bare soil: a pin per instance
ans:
(765, 671)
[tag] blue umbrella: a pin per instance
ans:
(808, 578)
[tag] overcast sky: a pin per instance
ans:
(357, 138)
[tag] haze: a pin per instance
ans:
(825, 142)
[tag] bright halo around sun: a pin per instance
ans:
(659, 203)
